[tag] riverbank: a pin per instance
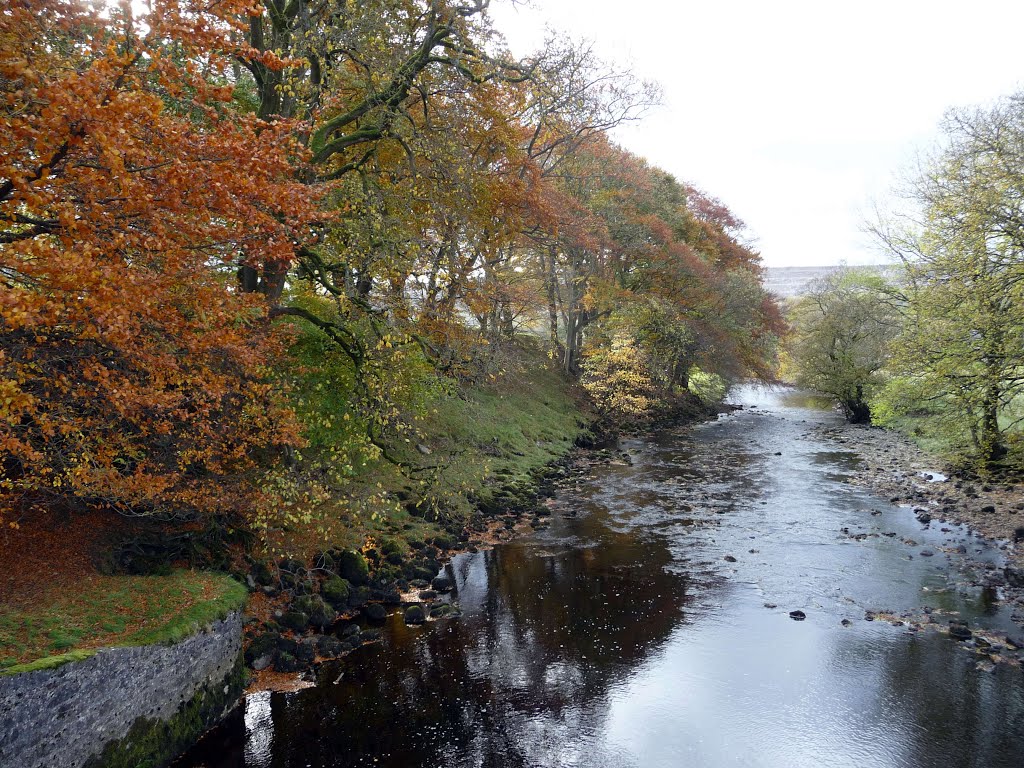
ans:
(895, 468)
(306, 611)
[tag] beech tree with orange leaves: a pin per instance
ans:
(134, 374)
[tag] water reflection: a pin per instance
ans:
(648, 626)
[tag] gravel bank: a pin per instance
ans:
(896, 469)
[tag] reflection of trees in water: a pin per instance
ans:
(961, 716)
(521, 680)
(936, 706)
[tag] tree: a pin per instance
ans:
(132, 373)
(841, 329)
(618, 379)
(963, 248)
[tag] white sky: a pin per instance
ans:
(795, 113)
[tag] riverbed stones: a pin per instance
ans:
(352, 566)
(414, 615)
(959, 630)
(375, 612)
(329, 646)
(441, 584)
(1014, 576)
(336, 591)
(305, 650)
(359, 597)
(320, 614)
(296, 620)
(263, 645)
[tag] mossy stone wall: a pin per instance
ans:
(143, 704)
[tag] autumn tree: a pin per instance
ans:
(132, 373)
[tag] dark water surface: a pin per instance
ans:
(621, 636)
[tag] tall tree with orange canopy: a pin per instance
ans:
(133, 373)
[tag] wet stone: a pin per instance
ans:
(441, 584)
(440, 611)
(329, 646)
(375, 612)
(414, 614)
(959, 630)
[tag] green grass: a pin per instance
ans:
(48, 662)
(103, 611)
(503, 432)
(481, 437)
(947, 440)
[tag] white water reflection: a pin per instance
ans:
(259, 730)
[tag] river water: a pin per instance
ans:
(649, 626)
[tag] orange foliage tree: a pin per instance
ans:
(132, 371)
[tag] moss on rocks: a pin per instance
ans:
(155, 743)
(352, 566)
(336, 591)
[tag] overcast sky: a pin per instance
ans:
(795, 113)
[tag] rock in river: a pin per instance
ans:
(414, 614)
(959, 630)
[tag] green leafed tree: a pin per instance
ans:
(841, 329)
(962, 348)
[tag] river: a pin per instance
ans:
(649, 625)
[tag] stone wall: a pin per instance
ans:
(81, 712)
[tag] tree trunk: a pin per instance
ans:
(551, 289)
(857, 410)
(991, 438)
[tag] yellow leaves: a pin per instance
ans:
(618, 379)
(13, 401)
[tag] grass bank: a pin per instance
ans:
(72, 622)
(476, 446)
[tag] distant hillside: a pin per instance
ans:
(787, 282)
